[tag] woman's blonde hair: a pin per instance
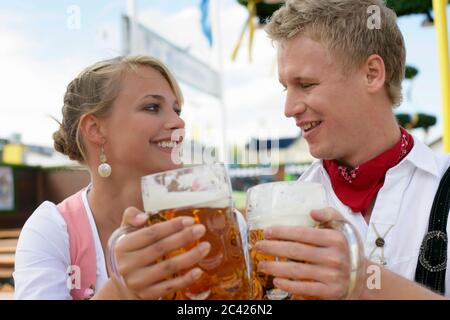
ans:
(346, 29)
(93, 91)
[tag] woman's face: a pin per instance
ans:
(139, 132)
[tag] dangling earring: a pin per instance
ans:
(104, 169)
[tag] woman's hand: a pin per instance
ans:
(138, 256)
(319, 259)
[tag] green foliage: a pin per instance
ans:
(410, 72)
(406, 7)
(401, 7)
(263, 10)
(240, 200)
(417, 120)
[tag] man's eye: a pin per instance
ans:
(152, 107)
(307, 85)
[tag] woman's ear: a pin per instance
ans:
(375, 73)
(91, 129)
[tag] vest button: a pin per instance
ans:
(380, 242)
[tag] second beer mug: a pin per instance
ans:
(204, 193)
(288, 204)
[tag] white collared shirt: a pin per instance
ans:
(401, 211)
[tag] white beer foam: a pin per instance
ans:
(279, 204)
(296, 217)
(194, 199)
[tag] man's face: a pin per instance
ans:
(329, 107)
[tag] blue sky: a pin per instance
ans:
(40, 55)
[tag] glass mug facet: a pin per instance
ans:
(277, 203)
(204, 193)
(288, 204)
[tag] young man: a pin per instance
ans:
(342, 63)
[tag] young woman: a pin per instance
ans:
(118, 120)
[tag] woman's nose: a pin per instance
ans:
(175, 122)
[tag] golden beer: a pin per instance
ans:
(262, 284)
(224, 270)
(204, 193)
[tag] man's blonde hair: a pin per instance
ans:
(345, 28)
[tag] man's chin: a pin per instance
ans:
(315, 152)
(320, 154)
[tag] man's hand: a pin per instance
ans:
(318, 259)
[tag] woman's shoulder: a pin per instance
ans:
(47, 214)
(42, 256)
(45, 225)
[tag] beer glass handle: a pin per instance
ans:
(355, 248)
(115, 237)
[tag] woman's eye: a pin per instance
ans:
(177, 111)
(152, 107)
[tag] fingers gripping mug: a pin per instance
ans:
(290, 204)
(204, 193)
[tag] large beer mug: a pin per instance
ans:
(288, 204)
(204, 193)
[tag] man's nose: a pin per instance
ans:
(293, 105)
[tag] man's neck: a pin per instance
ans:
(378, 140)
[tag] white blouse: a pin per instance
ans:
(43, 256)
